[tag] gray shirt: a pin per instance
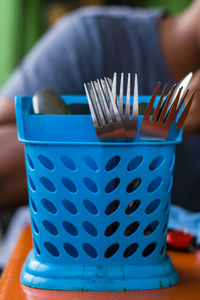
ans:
(95, 42)
(91, 43)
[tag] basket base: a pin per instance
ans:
(98, 278)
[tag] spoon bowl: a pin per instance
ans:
(50, 103)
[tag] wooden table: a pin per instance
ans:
(187, 265)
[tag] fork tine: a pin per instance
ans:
(151, 103)
(121, 94)
(185, 111)
(128, 96)
(100, 100)
(104, 103)
(156, 112)
(106, 94)
(114, 87)
(172, 112)
(93, 110)
(164, 110)
(102, 118)
(109, 81)
(112, 101)
(180, 103)
(135, 99)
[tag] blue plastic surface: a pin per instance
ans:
(99, 211)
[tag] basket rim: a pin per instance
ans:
(102, 143)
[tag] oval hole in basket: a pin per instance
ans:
(70, 207)
(156, 162)
(151, 227)
(51, 249)
(71, 250)
(131, 228)
(68, 162)
(149, 249)
(90, 228)
(70, 228)
(90, 162)
(30, 163)
(111, 250)
(47, 184)
(130, 250)
(134, 163)
(36, 247)
(166, 206)
(34, 207)
(90, 184)
(169, 185)
(112, 185)
(46, 162)
(112, 207)
(171, 162)
(152, 206)
(112, 228)
(112, 163)
(154, 185)
(133, 206)
(51, 228)
(69, 185)
(133, 185)
(35, 227)
(49, 206)
(90, 250)
(31, 184)
(91, 208)
(162, 251)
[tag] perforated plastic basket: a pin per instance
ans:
(99, 211)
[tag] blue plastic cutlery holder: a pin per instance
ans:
(99, 211)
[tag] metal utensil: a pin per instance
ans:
(107, 124)
(157, 128)
(184, 84)
(178, 124)
(130, 118)
(48, 102)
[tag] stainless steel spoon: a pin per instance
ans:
(49, 103)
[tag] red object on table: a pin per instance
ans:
(179, 239)
(187, 265)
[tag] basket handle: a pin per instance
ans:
(19, 118)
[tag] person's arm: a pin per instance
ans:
(12, 167)
(62, 60)
(7, 111)
(192, 122)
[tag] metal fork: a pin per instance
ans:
(157, 128)
(130, 118)
(178, 124)
(184, 84)
(107, 125)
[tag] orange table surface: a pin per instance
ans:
(187, 265)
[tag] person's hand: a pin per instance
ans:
(192, 122)
(12, 166)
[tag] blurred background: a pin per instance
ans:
(22, 22)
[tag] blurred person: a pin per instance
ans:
(94, 42)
